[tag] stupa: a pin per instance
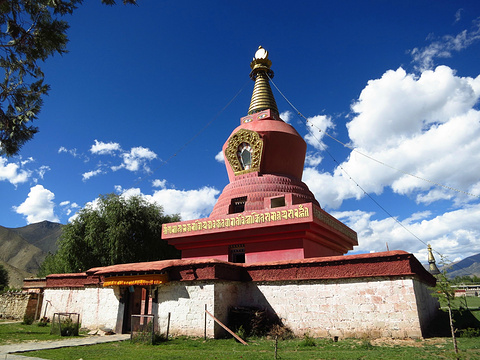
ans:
(266, 212)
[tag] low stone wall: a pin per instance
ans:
(13, 305)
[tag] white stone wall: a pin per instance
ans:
(379, 307)
(185, 301)
(98, 307)
(344, 308)
(101, 308)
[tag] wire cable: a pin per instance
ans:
(368, 156)
(380, 162)
(188, 142)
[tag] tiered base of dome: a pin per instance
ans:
(254, 188)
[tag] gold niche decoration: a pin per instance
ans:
(239, 140)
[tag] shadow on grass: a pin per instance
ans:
(463, 319)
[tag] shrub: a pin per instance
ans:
(308, 340)
(27, 320)
(469, 332)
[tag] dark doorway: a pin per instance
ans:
(136, 301)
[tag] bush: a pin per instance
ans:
(469, 332)
(27, 320)
(43, 322)
(65, 327)
(308, 340)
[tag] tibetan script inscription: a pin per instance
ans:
(226, 223)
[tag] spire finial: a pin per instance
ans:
(262, 97)
(432, 267)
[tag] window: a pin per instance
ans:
(244, 155)
(238, 205)
(277, 202)
(236, 253)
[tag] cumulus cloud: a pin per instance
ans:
(317, 126)
(13, 172)
(453, 234)
(426, 126)
(424, 58)
(38, 206)
(286, 116)
(101, 148)
(220, 157)
(190, 204)
(136, 159)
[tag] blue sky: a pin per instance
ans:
(142, 104)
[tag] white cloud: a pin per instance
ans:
(453, 234)
(136, 159)
(458, 15)
(426, 126)
(12, 172)
(286, 116)
(317, 126)
(38, 206)
(89, 174)
(72, 152)
(190, 204)
(159, 183)
(424, 58)
(101, 148)
(42, 170)
(220, 157)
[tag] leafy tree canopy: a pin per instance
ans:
(30, 32)
(3, 277)
(113, 231)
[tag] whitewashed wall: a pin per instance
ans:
(98, 307)
(185, 301)
(346, 308)
(380, 307)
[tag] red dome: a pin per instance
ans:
(277, 171)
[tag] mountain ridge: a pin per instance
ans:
(23, 249)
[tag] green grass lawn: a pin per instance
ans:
(470, 301)
(17, 332)
(182, 348)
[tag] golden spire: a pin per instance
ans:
(262, 97)
(432, 267)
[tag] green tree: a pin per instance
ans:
(31, 32)
(445, 293)
(3, 277)
(114, 231)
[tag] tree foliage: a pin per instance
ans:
(114, 231)
(31, 32)
(3, 278)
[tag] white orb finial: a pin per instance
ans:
(261, 53)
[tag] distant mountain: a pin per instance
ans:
(23, 249)
(467, 266)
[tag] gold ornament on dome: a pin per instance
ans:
(244, 142)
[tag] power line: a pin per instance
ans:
(380, 162)
(370, 157)
(188, 142)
